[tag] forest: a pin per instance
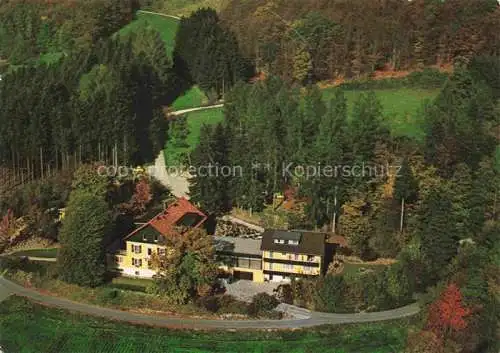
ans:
(75, 90)
(330, 39)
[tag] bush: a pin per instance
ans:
(284, 293)
(303, 292)
(262, 303)
(109, 296)
(230, 305)
(210, 303)
(427, 78)
(330, 294)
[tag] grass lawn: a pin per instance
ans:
(399, 107)
(49, 253)
(191, 99)
(195, 122)
(166, 26)
(127, 283)
(27, 327)
(353, 269)
(185, 8)
(49, 58)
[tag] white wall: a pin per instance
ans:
(143, 273)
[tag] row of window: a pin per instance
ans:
(137, 249)
(290, 268)
(294, 257)
(138, 263)
(289, 242)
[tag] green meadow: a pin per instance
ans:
(399, 108)
(166, 26)
(32, 328)
(195, 121)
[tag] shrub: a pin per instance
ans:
(427, 78)
(109, 296)
(284, 293)
(303, 292)
(230, 305)
(330, 294)
(22, 277)
(262, 303)
(210, 303)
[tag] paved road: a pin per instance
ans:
(315, 318)
(174, 178)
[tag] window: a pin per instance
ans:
(310, 257)
(150, 251)
(270, 254)
(293, 242)
(136, 249)
(161, 251)
(118, 259)
(279, 241)
(288, 267)
(144, 237)
(150, 264)
(296, 257)
(156, 239)
(137, 262)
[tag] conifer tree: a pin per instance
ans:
(437, 232)
(405, 188)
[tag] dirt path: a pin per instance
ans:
(159, 14)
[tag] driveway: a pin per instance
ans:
(315, 318)
(245, 290)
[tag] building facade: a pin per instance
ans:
(276, 256)
(292, 254)
(146, 240)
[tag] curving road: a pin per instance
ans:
(315, 318)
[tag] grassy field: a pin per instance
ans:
(27, 327)
(186, 7)
(354, 269)
(166, 26)
(195, 122)
(399, 108)
(48, 253)
(191, 99)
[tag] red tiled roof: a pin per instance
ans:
(166, 221)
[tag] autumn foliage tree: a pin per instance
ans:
(447, 315)
(187, 269)
(6, 227)
(142, 196)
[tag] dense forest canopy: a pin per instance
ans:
(328, 39)
(29, 28)
(102, 98)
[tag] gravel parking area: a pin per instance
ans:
(245, 290)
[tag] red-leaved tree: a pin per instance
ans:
(447, 314)
(142, 196)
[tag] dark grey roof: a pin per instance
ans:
(287, 235)
(237, 245)
(310, 243)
